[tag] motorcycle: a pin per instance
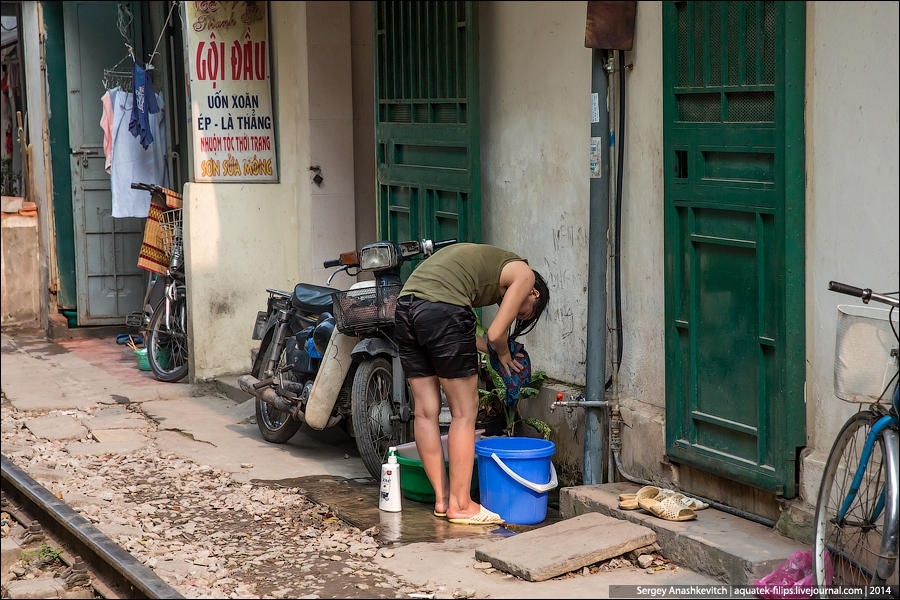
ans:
(327, 357)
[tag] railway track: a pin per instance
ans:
(75, 559)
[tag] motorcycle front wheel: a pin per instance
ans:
(377, 423)
(167, 339)
(276, 426)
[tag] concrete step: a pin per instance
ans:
(725, 546)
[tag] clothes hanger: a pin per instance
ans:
(119, 78)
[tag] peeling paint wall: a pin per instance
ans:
(535, 134)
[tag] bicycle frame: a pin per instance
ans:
(868, 505)
(881, 425)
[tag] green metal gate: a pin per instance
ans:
(733, 82)
(426, 120)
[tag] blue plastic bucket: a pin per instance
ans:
(514, 476)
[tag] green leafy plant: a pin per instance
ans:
(42, 555)
(492, 406)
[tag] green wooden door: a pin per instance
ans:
(426, 120)
(733, 81)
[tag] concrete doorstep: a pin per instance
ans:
(730, 548)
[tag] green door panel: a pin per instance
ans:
(58, 126)
(733, 139)
(426, 120)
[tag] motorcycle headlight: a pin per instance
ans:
(379, 255)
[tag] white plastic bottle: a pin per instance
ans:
(389, 496)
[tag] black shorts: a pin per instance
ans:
(435, 338)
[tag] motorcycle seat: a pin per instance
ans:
(312, 298)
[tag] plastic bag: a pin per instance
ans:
(793, 578)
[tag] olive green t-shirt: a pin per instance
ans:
(463, 274)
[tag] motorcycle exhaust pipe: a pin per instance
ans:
(268, 395)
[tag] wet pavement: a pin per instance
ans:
(352, 500)
(203, 423)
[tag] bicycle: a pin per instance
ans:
(166, 338)
(856, 518)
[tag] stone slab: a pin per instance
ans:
(118, 436)
(115, 417)
(101, 448)
(57, 427)
(565, 546)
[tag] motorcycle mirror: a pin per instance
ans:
(350, 259)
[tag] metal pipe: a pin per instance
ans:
(578, 402)
(596, 421)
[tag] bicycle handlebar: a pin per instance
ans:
(865, 294)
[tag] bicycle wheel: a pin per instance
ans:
(167, 340)
(852, 541)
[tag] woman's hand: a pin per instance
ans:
(509, 364)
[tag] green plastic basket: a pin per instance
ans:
(144, 362)
(414, 482)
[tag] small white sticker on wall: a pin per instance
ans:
(596, 154)
(595, 107)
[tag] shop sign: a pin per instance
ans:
(232, 117)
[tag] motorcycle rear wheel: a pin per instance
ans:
(376, 417)
(276, 426)
(167, 340)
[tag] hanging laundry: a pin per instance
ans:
(106, 124)
(131, 161)
(145, 104)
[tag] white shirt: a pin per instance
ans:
(131, 163)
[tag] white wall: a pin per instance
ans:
(244, 238)
(852, 213)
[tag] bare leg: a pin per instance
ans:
(427, 399)
(462, 396)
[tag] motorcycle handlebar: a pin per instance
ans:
(406, 250)
(439, 245)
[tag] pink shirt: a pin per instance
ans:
(106, 121)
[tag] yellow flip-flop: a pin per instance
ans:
(669, 508)
(630, 501)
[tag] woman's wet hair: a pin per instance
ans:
(523, 326)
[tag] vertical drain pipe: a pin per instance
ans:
(596, 419)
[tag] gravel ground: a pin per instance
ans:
(203, 533)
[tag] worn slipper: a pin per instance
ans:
(648, 491)
(670, 509)
(692, 503)
(439, 515)
(482, 517)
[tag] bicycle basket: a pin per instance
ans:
(862, 352)
(170, 232)
(361, 310)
